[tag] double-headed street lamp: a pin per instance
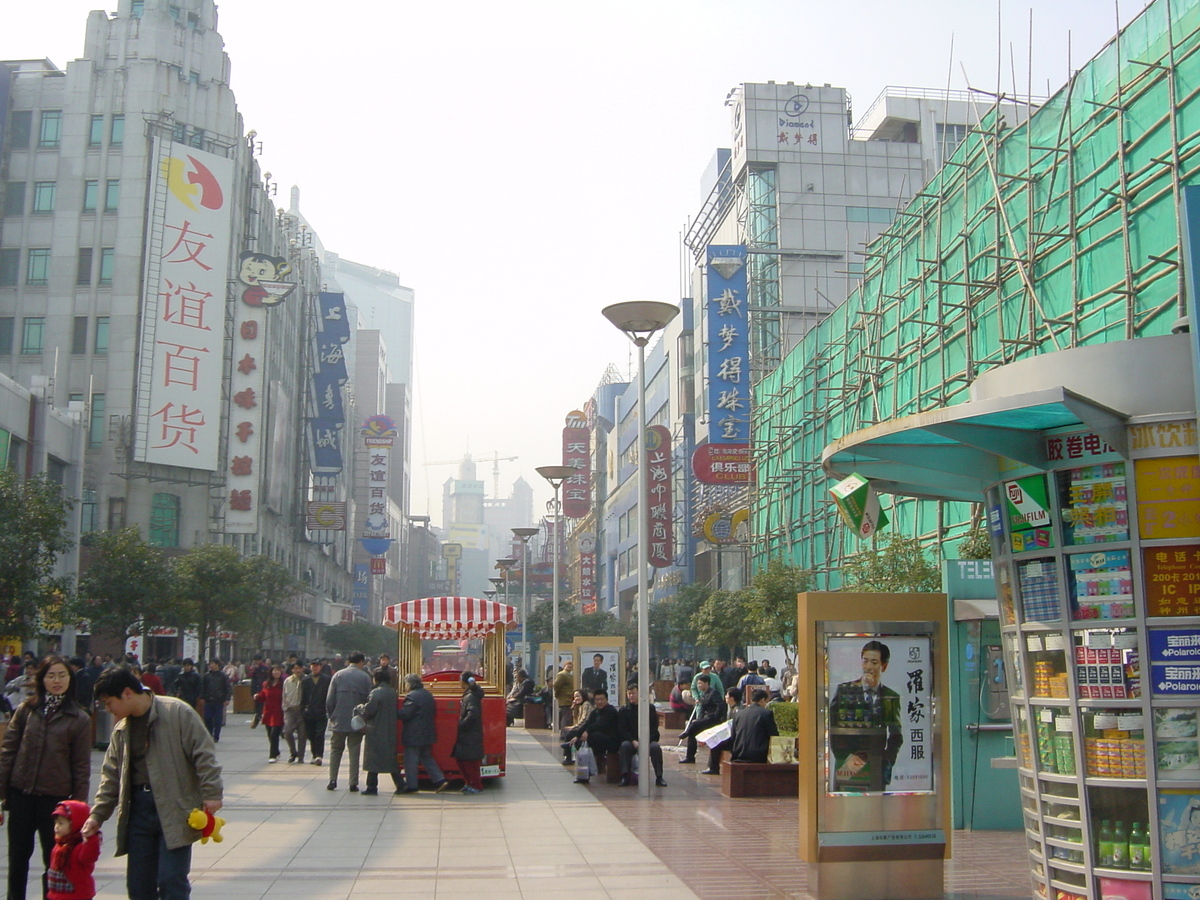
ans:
(525, 533)
(556, 475)
(638, 320)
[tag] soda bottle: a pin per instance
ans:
(1120, 847)
(1137, 847)
(1147, 859)
(1105, 846)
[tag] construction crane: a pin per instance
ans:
(496, 460)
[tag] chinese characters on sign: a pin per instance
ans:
(182, 336)
(328, 422)
(577, 453)
(1172, 576)
(378, 433)
(722, 464)
(659, 516)
(728, 346)
(1168, 496)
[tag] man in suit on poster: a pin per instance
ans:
(864, 722)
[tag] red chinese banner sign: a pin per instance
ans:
(656, 469)
(722, 464)
(577, 453)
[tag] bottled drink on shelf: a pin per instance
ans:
(1104, 847)
(1137, 846)
(1120, 847)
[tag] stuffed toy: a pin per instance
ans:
(207, 824)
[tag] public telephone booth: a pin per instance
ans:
(428, 631)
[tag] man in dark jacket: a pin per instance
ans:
(753, 728)
(514, 704)
(215, 691)
(419, 736)
(315, 717)
(188, 685)
(709, 711)
(627, 716)
(601, 729)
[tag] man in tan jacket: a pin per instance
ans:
(160, 764)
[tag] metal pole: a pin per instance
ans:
(554, 577)
(643, 604)
(525, 601)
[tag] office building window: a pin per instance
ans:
(43, 196)
(89, 512)
(83, 268)
(136, 7)
(20, 128)
(96, 421)
(14, 198)
(10, 264)
(116, 132)
(106, 265)
(37, 266)
(6, 335)
(33, 334)
(79, 336)
(101, 343)
(116, 513)
(50, 132)
(91, 195)
(96, 131)
(112, 193)
(197, 138)
(164, 520)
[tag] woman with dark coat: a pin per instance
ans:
(468, 748)
(271, 697)
(379, 712)
(45, 758)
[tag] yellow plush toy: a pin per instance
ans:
(207, 824)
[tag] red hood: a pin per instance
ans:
(76, 810)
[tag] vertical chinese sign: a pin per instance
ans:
(181, 336)
(577, 453)
(659, 514)
(379, 433)
(728, 346)
(326, 427)
(587, 571)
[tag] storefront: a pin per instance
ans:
(1087, 462)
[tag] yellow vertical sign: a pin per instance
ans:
(1168, 497)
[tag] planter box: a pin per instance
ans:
(535, 715)
(745, 779)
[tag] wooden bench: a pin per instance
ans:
(747, 779)
(676, 721)
(535, 715)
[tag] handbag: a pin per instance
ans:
(585, 762)
(358, 724)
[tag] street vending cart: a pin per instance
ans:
(426, 630)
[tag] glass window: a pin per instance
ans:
(197, 139)
(33, 332)
(112, 193)
(20, 127)
(43, 196)
(6, 335)
(37, 266)
(136, 7)
(96, 131)
(879, 215)
(79, 336)
(83, 268)
(164, 521)
(194, 77)
(89, 512)
(179, 132)
(14, 198)
(96, 421)
(116, 134)
(91, 195)
(10, 263)
(101, 342)
(50, 132)
(106, 265)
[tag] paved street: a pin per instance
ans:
(532, 834)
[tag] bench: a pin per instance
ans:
(675, 721)
(747, 779)
(535, 715)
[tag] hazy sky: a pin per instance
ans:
(521, 165)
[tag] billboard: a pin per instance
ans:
(577, 453)
(728, 346)
(181, 335)
(660, 511)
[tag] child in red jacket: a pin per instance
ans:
(73, 859)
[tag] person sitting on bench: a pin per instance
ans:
(753, 728)
(601, 729)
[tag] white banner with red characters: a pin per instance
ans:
(181, 338)
(577, 453)
(246, 423)
(659, 514)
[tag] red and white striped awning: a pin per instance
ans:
(451, 618)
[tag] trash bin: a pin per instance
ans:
(535, 715)
(243, 700)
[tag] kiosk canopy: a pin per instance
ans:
(451, 618)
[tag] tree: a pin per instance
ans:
(213, 585)
(127, 584)
(33, 531)
(540, 622)
(900, 566)
(362, 636)
(772, 604)
(671, 620)
(722, 620)
(270, 587)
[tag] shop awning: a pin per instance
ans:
(954, 452)
(451, 618)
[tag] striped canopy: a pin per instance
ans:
(451, 618)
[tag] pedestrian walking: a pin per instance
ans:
(420, 734)
(294, 688)
(215, 692)
(468, 746)
(379, 712)
(315, 718)
(348, 688)
(271, 697)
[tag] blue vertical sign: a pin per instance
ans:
(329, 374)
(1189, 247)
(728, 345)
(361, 600)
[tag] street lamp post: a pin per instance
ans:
(638, 320)
(556, 475)
(525, 533)
(505, 563)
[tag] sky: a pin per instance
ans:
(521, 165)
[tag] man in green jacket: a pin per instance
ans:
(160, 764)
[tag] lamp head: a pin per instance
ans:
(556, 475)
(506, 562)
(525, 533)
(639, 319)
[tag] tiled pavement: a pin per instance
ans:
(533, 834)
